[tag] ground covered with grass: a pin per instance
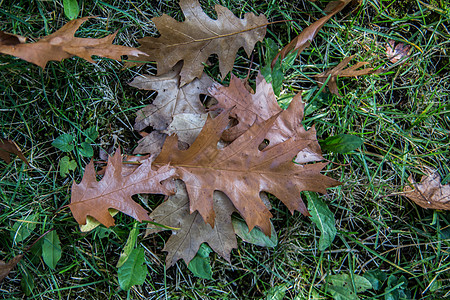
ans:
(402, 114)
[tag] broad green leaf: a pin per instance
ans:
(51, 249)
(323, 218)
(23, 228)
(376, 278)
(91, 134)
(64, 142)
(256, 236)
(86, 150)
(341, 286)
(129, 246)
(27, 282)
(134, 270)
(200, 265)
(66, 165)
(71, 9)
(341, 143)
(277, 292)
(92, 223)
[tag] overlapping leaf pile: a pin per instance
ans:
(210, 160)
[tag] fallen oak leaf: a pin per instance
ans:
(63, 44)
(6, 268)
(199, 36)
(114, 190)
(303, 40)
(429, 192)
(193, 231)
(8, 147)
(241, 171)
(9, 39)
(339, 71)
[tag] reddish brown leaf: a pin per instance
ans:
(339, 71)
(241, 171)
(193, 231)
(9, 39)
(429, 192)
(303, 40)
(397, 52)
(8, 147)
(199, 36)
(62, 44)
(93, 198)
(5, 268)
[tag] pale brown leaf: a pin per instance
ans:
(429, 192)
(193, 231)
(8, 147)
(341, 71)
(199, 36)
(63, 44)
(94, 198)
(303, 40)
(241, 171)
(5, 268)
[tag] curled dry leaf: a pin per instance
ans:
(193, 231)
(93, 198)
(199, 36)
(241, 171)
(303, 40)
(63, 44)
(9, 39)
(8, 147)
(397, 52)
(5, 268)
(429, 192)
(339, 71)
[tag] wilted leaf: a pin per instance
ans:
(341, 143)
(241, 171)
(199, 36)
(92, 223)
(187, 126)
(185, 242)
(323, 218)
(397, 52)
(339, 71)
(134, 270)
(8, 147)
(343, 287)
(23, 228)
(255, 236)
(5, 268)
(429, 192)
(200, 265)
(8, 39)
(51, 249)
(115, 190)
(63, 44)
(303, 40)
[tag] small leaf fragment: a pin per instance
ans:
(8, 147)
(51, 249)
(341, 143)
(255, 236)
(133, 271)
(129, 246)
(71, 9)
(323, 218)
(23, 228)
(5, 268)
(65, 165)
(200, 265)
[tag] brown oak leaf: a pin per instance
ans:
(11, 39)
(8, 147)
(241, 171)
(63, 44)
(339, 71)
(5, 268)
(397, 52)
(247, 107)
(193, 231)
(199, 36)
(429, 192)
(303, 40)
(114, 190)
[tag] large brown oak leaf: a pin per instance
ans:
(63, 44)
(199, 36)
(241, 171)
(94, 198)
(193, 231)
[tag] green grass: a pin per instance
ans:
(403, 115)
